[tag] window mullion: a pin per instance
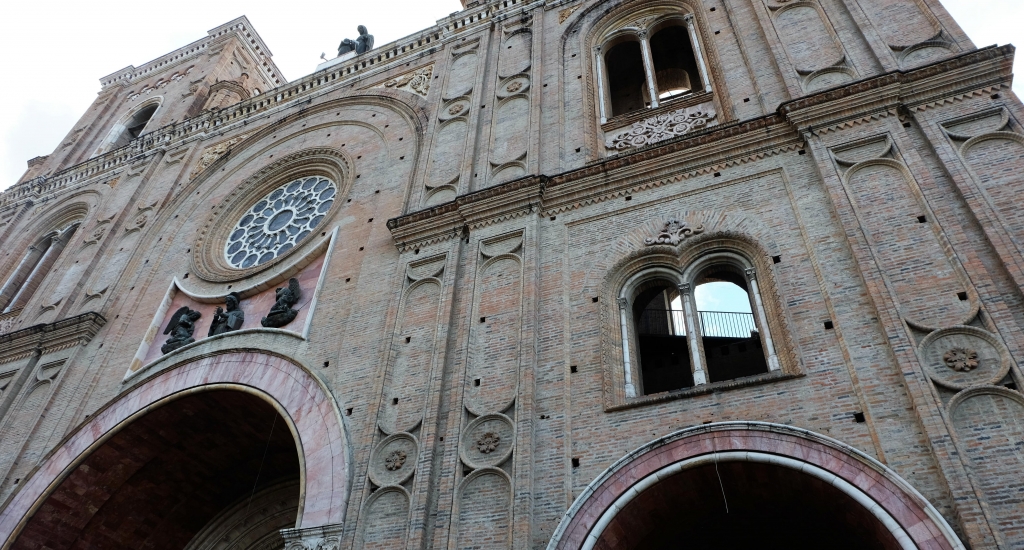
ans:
(696, 50)
(624, 323)
(652, 84)
(696, 361)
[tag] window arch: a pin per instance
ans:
(33, 267)
(648, 61)
(130, 126)
(704, 324)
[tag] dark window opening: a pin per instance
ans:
(729, 334)
(661, 336)
(135, 126)
(675, 66)
(626, 77)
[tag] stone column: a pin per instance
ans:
(762, 320)
(14, 282)
(599, 64)
(697, 51)
(326, 537)
(652, 84)
(623, 322)
(692, 335)
(57, 243)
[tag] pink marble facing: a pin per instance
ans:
(903, 507)
(311, 411)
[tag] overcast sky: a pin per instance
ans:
(55, 51)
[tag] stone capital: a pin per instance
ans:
(325, 537)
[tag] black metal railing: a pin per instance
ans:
(727, 324)
(714, 324)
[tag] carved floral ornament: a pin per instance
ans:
(961, 359)
(455, 109)
(395, 460)
(211, 154)
(674, 232)
(660, 127)
(514, 87)
(488, 443)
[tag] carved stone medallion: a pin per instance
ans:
(487, 441)
(393, 460)
(961, 357)
(659, 128)
(279, 221)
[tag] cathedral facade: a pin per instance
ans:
(564, 274)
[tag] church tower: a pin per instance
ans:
(564, 274)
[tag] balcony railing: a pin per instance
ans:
(713, 324)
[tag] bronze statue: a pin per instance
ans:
(227, 321)
(181, 327)
(360, 45)
(282, 313)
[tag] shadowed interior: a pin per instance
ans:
(161, 479)
(769, 507)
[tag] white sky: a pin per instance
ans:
(57, 50)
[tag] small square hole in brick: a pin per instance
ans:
(483, 319)
(859, 417)
(575, 463)
(573, 369)
(394, 401)
(348, 279)
(829, 325)
(552, 218)
(717, 174)
(777, 259)
(408, 339)
(906, 125)
(995, 96)
(718, 32)
(476, 382)
(360, 248)
(922, 219)
(594, 299)
(712, 9)
(327, 364)
(629, 197)
(801, 152)
(746, 100)
(962, 296)
(417, 251)
(578, 149)
(348, 411)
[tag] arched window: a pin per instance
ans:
(33, 267)
(643, 67)
(703, 325)
(129, 127)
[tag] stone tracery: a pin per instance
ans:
(279, 221)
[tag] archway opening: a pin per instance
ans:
(728, 330)
(218, 466)
(740, 505)
(660, 326)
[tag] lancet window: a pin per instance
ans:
(33, 267)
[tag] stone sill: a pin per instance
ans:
(705, 389)
(621, 121)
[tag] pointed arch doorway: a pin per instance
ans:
(239, 444)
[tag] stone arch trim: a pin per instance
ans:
(761, 441)
(299, 396)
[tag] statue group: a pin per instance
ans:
(360, 45)
(182, 325)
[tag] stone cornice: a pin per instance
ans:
(240, 27)
(46, 338)
(707, 150)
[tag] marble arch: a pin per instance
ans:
(299, 397)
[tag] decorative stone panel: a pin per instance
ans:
(393, 460)
(961, 357)
(487, 441)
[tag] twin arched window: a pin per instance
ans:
(33, 267)
(704, 325)
(641, 67)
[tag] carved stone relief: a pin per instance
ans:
(661, 127)
(674, 232)
(212, 153)
(417, 81)
(393, 460)
(487, 441)
(961, 357)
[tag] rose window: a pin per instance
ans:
(279, 221)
